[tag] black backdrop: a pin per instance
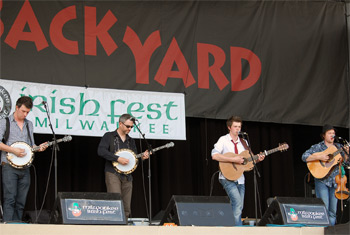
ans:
(185, 169)
(302, 47)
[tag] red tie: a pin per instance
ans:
(236, 149)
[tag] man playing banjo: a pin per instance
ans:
(111, 142)
(16, 181)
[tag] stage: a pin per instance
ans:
(45, 229)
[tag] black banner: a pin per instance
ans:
(270, 61)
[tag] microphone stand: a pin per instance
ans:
(256, 173)
(149, 147)
(54, 145)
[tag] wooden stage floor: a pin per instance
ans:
(52, 229)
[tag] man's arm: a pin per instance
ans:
(16, 151)
(313, 154)
(217, 155)
(103, 148)
(6, 148)
(222, 158)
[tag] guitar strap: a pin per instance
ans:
(244, 144)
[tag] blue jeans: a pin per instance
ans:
(330, 201)
(235, 192)
(16, 184)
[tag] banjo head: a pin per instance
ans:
(128, 168)
(21, 162)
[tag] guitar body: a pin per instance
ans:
(320, 169)
(233, 171)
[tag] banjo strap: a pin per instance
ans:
(114, 145)
(7, 132)
(31, 142)
(117, 143)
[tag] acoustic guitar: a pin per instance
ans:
(232, 171)
(320, 169)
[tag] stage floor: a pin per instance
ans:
(45, 229)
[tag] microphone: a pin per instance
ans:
(337, 138)
(44, 102)
(242, 133)
(133, 119)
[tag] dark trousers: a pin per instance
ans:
(15, 184)
(115, 185)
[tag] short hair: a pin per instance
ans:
(233, 119)
(26, 101)
(123, 118)
(326, 128)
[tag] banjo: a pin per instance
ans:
(26, 161)
(133, 159)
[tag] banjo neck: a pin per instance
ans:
(168, 145)
(133, 159)
(48, 144)
(26, 161)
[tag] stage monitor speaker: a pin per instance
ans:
(37, 217)
(88, 208)
(296, 210)
(338, 229)
(199, 211)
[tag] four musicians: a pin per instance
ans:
(16, 182)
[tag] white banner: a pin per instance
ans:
(92, 112)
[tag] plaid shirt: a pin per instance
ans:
(320, 147)
(16, 134)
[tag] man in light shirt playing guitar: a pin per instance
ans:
(231, 143)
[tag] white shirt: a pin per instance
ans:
(224, 145)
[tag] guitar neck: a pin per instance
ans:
(256, 157)
(272, 151)
(337, 152)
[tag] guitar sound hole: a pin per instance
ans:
(330, 157)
